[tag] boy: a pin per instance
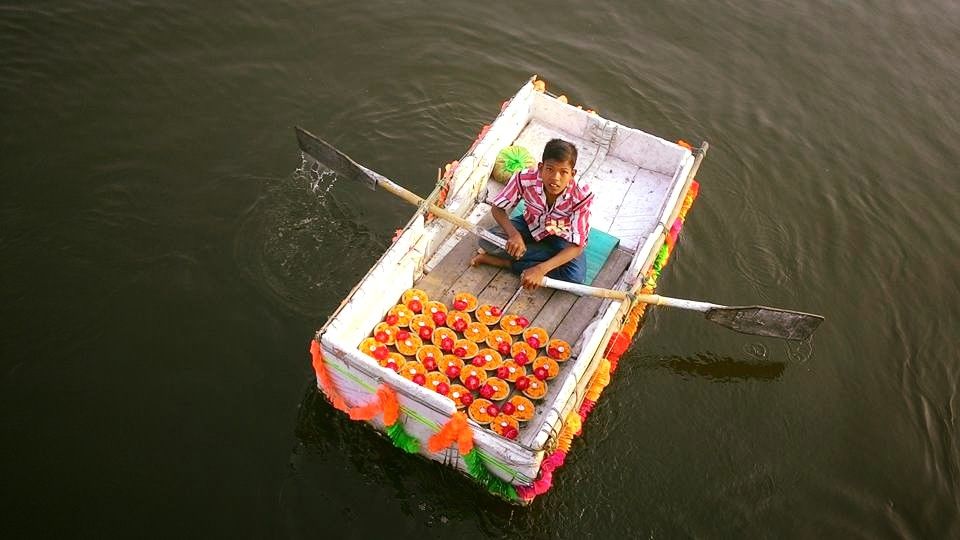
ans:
(550, 237)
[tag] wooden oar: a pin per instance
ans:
(756, 320)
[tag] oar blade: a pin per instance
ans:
(766, 321)
(333, 159)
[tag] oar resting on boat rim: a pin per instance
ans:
(754, 320)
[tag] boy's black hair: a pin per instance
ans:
(560, 150)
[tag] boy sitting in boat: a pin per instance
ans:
(550, 237)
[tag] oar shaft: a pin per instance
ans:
(444, 214)
(654, 299)
(678, 303)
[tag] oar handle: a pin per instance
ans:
(584, 290)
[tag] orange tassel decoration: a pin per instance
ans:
(450, 432)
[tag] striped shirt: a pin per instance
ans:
(569, 218)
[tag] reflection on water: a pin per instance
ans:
(712, 366)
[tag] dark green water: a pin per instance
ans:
(163, 268)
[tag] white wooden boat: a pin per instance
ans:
(642, 184)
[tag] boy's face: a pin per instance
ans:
(556, 175)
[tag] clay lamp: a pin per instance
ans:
(534, 342)
(493, 410)
(521, 358)
(442, 388)
(508, 408)
(511, 433)
(472, 382)
(460, 304)
(523, 322)
(430, 363)
(541, 373)
(446, 344)
(420, 379)
(452, 371)
(381, 352)
(503, 372)
(522, 383)
(487, 391)
(466, 399)
(504, 348)
(460, 325)
(439, 318)
(392, 319)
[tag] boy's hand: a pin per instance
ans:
(515, 246)
(531, 277)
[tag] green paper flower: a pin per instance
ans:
(510, 160)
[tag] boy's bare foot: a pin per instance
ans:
(482, 257)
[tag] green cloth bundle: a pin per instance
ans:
(510, 160)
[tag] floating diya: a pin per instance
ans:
(558, 349)
(472, 377)
(551, 365)
(522, 408)
(437, 381)
(490, 358)
(535, 336)
(407, 343)
(374, 348)
(394, 361)
(437, 312)
(464, 301)
(415, 299)
(536, 388)
(522, 353)
(476, 332)
(500, 388)
(412, 369)
(488, 314)
(444, 338)
(499, 340)
(514, 324)
(479, 410)
(419, 321)
(459, 394)
(458, 320)
(430, 356)
(510, 371)
(385, 333)
(448, 361)
(505, 426)
(399, 315)
(464, 348)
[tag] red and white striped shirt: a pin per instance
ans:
(569, 218)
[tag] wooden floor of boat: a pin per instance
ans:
(563, 315)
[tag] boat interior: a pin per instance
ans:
(628, 204)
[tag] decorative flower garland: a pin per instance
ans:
(456, 430)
